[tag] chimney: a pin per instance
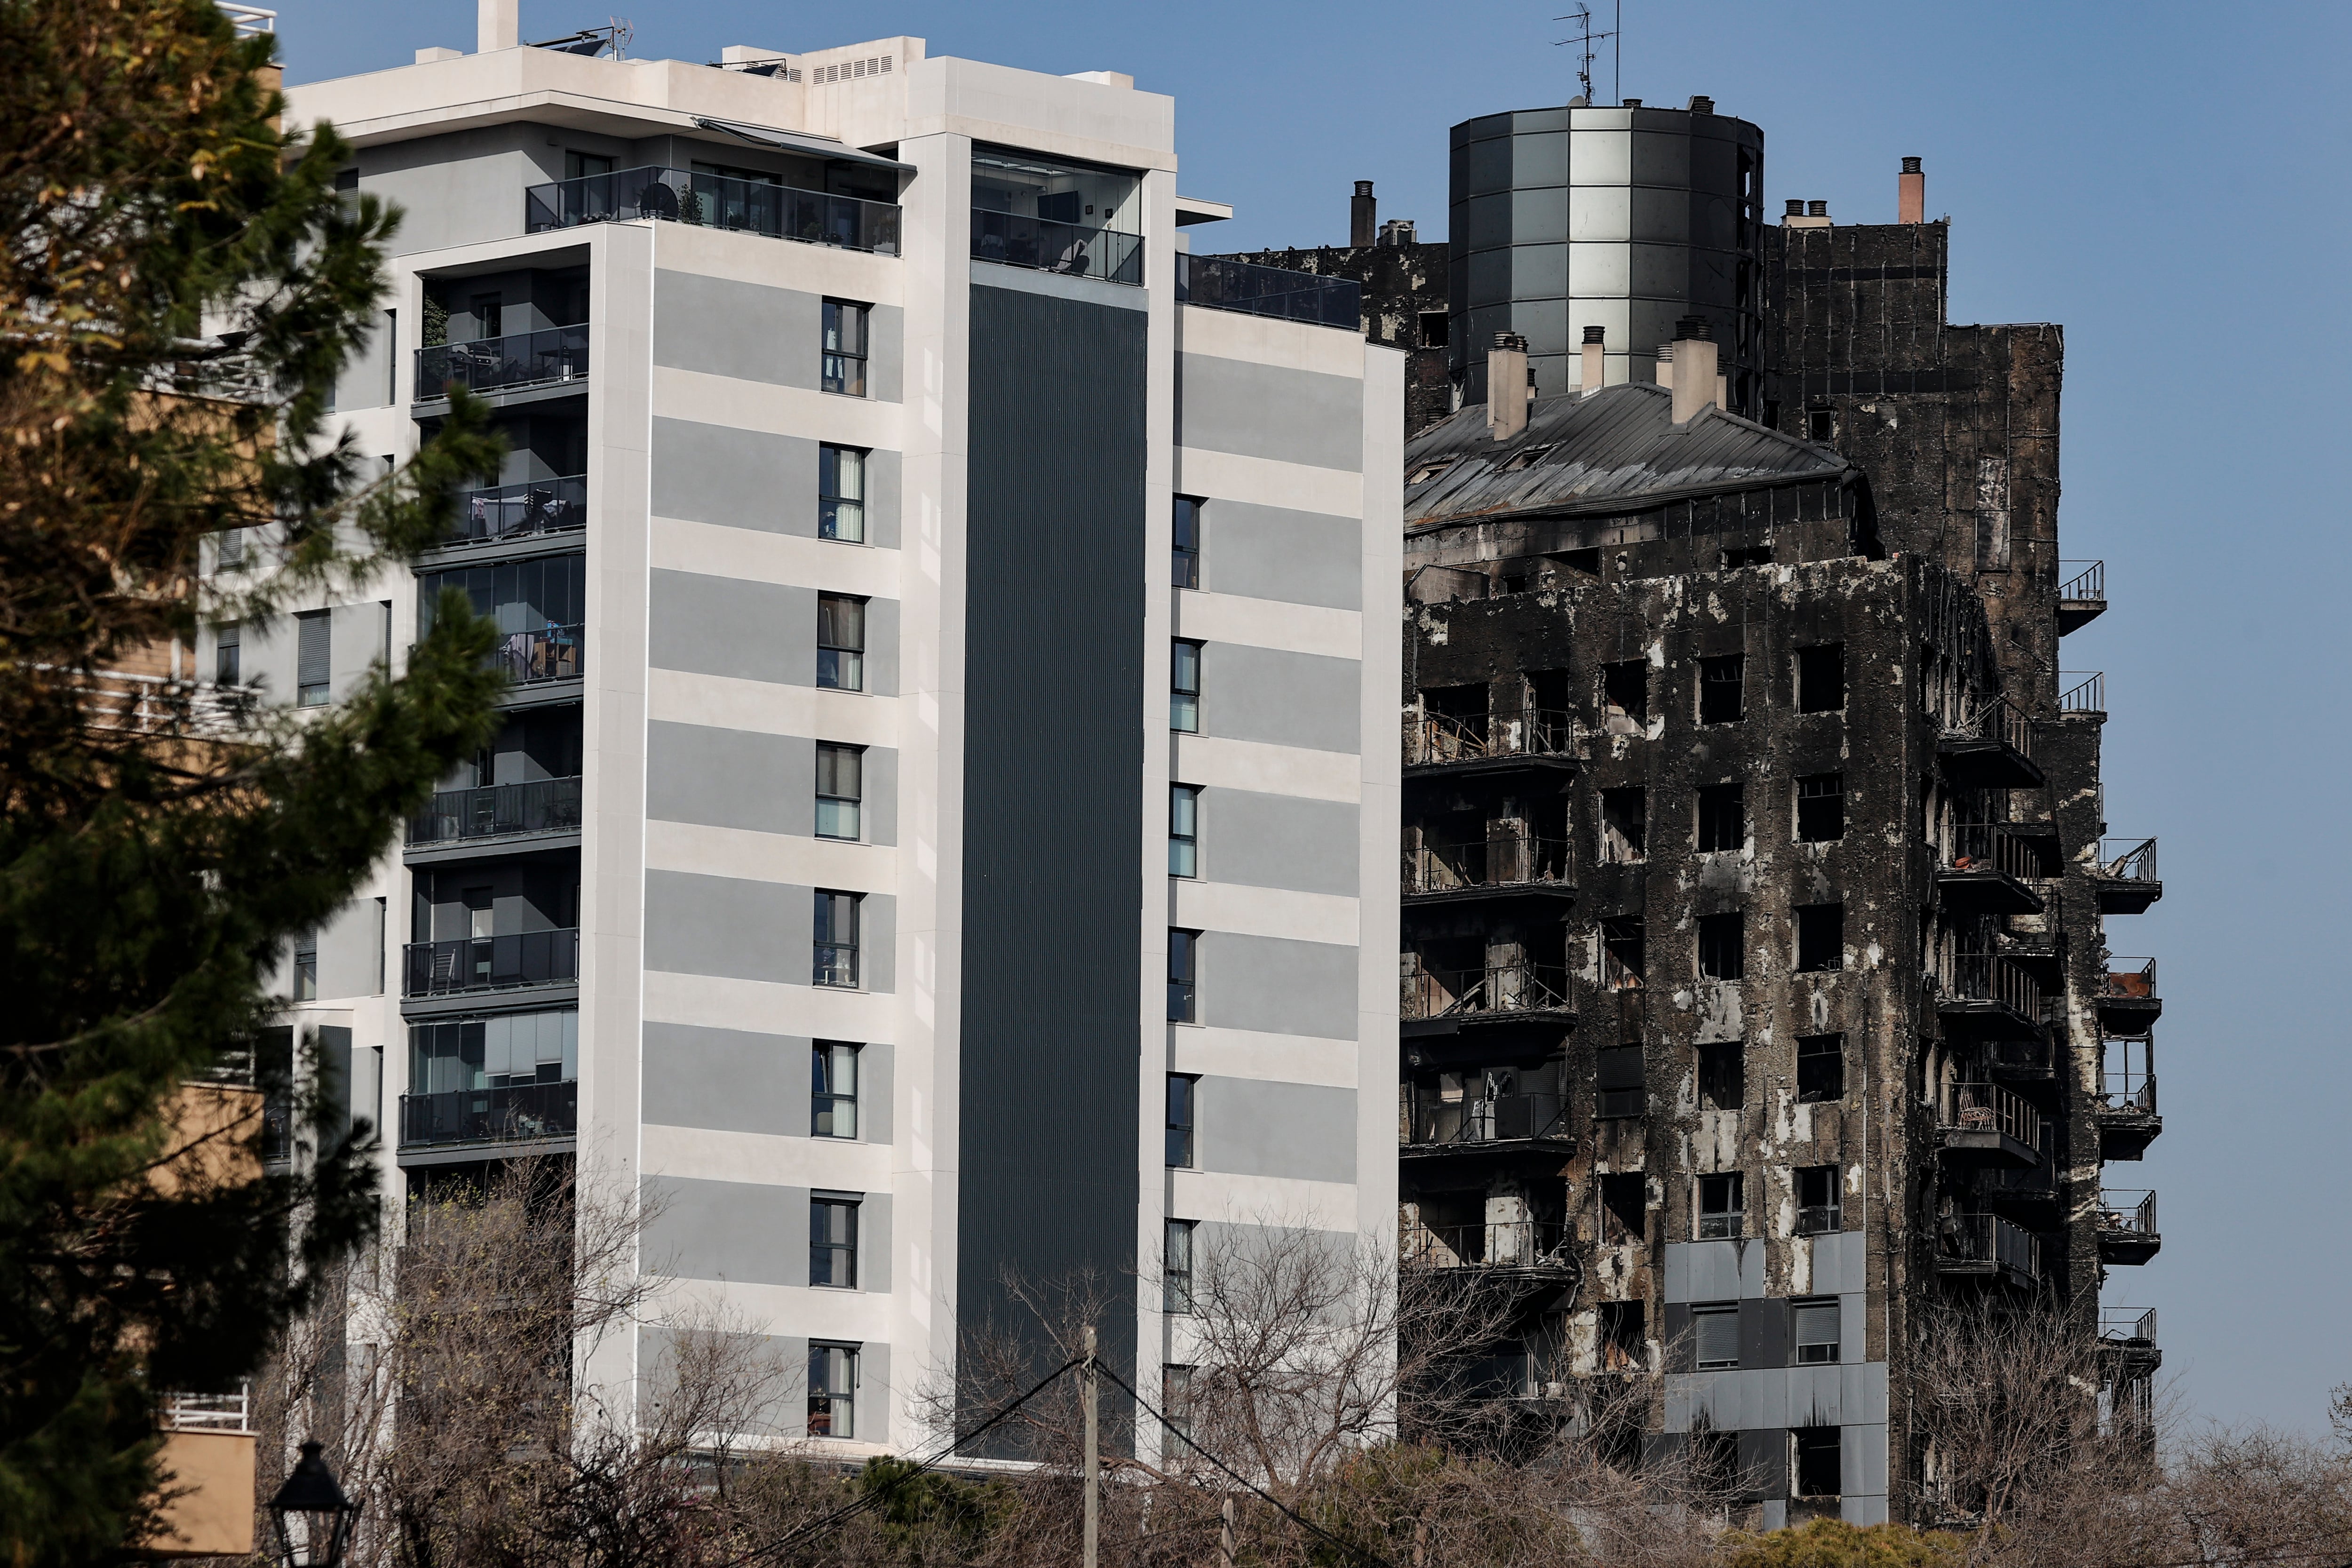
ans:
(1806, 215)
(1795, 209)
(1911, 194)
(1666, 366)
(1592, 369)
(498, 24)
(1817, 209)
(1397, 234)
(1507, 389)
(1695, 380)
(1363, 214)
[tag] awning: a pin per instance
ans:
(800, 142)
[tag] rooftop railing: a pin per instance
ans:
(482, 1115)
(1989, 1108)
(1072, 250)
(491, 962)
(497, 811)
(1497, 988)
(1988, 1239)
(1494, 1119)
(518, 510)
(1501, 1244)
(1222, 284)
(1505, 860)
(548, 357)
(714, 201)
(1439, 737)
(208, 1412)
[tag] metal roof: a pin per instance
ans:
(1616, 450)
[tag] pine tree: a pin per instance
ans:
(180, 283)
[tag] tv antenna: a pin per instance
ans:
(1584, 40)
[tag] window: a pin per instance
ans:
(1819, 1473)
(841, 494)
(1623, 947)
(489, 314)
(1723, 1076)
(1626, 690)
(1176, 1398)
(1820, 677)
(1722, 1206)
(383, 932)
(228, 652)
(1624, 1208)
(1715, 1335)
(1624, 825)
(1722, 947)
(832, 1389)
(1182, 1097)
(1184, 948)
(1747, 555)
(837, 939)
(1816, 1331)
(1820, 423)
(1722, 817)
(1820, 1069)
(1622, 1347)
(1176, 1267)
(1183, 830)
(840, 642)
(1185, 563)
(1620, 1086)
(579, 165)
(1721, 688)
(314, 656)
(1820, 808)
(843, 369)
(840, 790)
(1715, 1464)
(1184, 686)
(391, 365)
(1431, 325)
(1818, 1209)
(231, 549)
(1821, 938)
(833, 1242)
(347, 179)
(306, 967)
(833, 1090)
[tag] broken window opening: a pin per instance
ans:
(1722, 947)
(1723, 1076)
(1750, 556)
(1722, 1206)
(1820, 808)
(1820, 1069)
(1623, 952)
(1821, 938)
(1820, 677)
(1818, 1211)
(1722, 817)
(1624, 1208)
(1818, 1461)
(1626, 690)
(1722, 682)
(1821, 425)
(1622, 1346)
(1620, 1082)
(1625, 825)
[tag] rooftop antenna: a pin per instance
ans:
(1584, 39)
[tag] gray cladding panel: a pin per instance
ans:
(1270, 411)
(1278, 986)
(723, 625)
(726, 1080)
(748, 330)
(729, 927)
(1274, 552)
(729, 778)
(1260, 840)
(774, 1366)
(743, 1231)
(1305, 699)
(736, 478)
(1714, 1270)
(886, 350)
(883, 489)
(1300, 1131)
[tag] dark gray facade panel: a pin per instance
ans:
(726, 1080)
(1052, 969)
(729, 778)
(1277, 985)
(1270, 411)
(1272, 553)
(1299, 1132)
(1305, 699)
(724, 625)
(744, 1231)
(748, 330)
(736, 478)
(1260, 840)
(729, 927)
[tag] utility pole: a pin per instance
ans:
(1226, 1534)
(1088, 1384)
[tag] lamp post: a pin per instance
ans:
(312, 1496)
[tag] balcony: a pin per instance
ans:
(1495, 1124)
(2128, 1232)
(552, 356)
(714, 201)
(1988, 1125)
(1991, 747)
(523, 511)
(2125, 873)
(2080, 693)
(2083, 596)
(1074, 251)
(2128, 1335)
(1986, 1247)
(512, 1114)
(2126, 1109)
(1540, 1247)
(1992, 997)
(1986, 871)
(1501, 866)
(2128, 1004)
(1481, 742)
(497, 811)
(1445, 999)
(1221, 284)
(491, 962)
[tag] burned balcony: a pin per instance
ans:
(520, 511)
(1988, 1247)
(1497, 992)
(1480, 742)
(515, 1113)
(1544, 1248)
(1434, 1125)
(2128, 1003)
(2128, 1232)
(491, 962)
(2126, 1109)
(1991, 747)
(1992, 997)
(1985, 1124)
(2083, 596)
(1986, 871)
(552, 356)
(497, 811)
(1501, 865)
(2127, 1335)
(2125, 873)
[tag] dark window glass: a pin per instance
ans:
(1183, 830)
(579, 165)
(841, 494)
(1816, 1331)
(1186, 563)
(832, 1391)
(1715, 1335)
(1722, 947)
(833, 1090)
(843, 368)
(1723, 1076)
(1722, 817)
(1184, 686)
(837, 939)
(1821, 425)
(1182, 951)
(228, 654)
(1722, 1205)
(1622, 1331)
(489, 316)
(1819, 1463)
(1721, 688)
(1625, 1207)
(1820, 937)
(306, 967)
(1176, 1267)
(1181, 1094)
(1176, 1398)
(1620, 1081)
(1625, 825)
(1820, 1069)
(840, 790)
(1819, 1209)
(833, 1242)
(1820, 808)
(314, 656)
(1625, 689)
(840, 642)
(1820, 677)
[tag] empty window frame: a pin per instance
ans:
(840, 642)
(1184, 686)
(832, 1241)
(1624, 952)
(1819, 1462)
(1176, 1267)
(1183, 1105)
(840, 790)
(1722, 1206)
(1746, 555)
(314, 643)
(1184, 956)
(1816, 1331)
(837, 939)
(1722, 946)
(841, 493)
(1623, 1333)
(1820, 1069)
(1625, 689)
(1184, 543)
(844, 366)
(1625, 1207)
(228, 654)
(1723, 1076)
(1820, 677)
(1818, 1211)
(1821, 938)
(1625, 825)
(1620, 1082)
(832, 1389)
(1722, 688)
(1183, 830)
(833, 1090)
(1715, 1335)
(1821, 425)
(1722, 817)
(1820, 808)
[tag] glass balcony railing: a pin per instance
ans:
(1065, 248)
(497, 811)
(482, 1115)
(548, 357)
(516, 510)
(491, 962)
(1222, 284)
(714, 201)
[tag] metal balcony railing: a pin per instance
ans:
(1495, 1118)
(1497, 988)
(2087, 695)
(553, 653)
(2127, 859)
(1989, 1108)
(1989, 978)
(1222, 284)
(2127, 1213)
(1987, 1239)
(1994, 718)
(497, 811)
(714, 201)
(1072, 250)
(479, 1115)
(2127, 1325)
(2127, 1093)
(551, 356)
(1437, 738)
(2128, 984)
(1991, 847)
(1503, 860)
(518, 510)
(491, 962)
(2088, 586)
(1501, 1244)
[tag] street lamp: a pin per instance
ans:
(312, 1495)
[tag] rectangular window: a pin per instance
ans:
(837, 939)
(1722, 947)
(391, 357)
(1820, 677)
(231, 548)
(833, 1090)
(1818, 1211)
(833, 1242)
(1715, 1335)
(579, 165)
(841, 494)
(1722, 817)
(1622, 1327)
(843, 369)
(1723, 1076)
(1624, 825)
(1624, 1208)
(1185, 561)
(1626, 690)
(228, 652)
(1722, 1206)
(383, 934)
(832, 1389)
(1619, 1082)
(1820, 1069)
(306, 967)
(1183, 830)
(1183, 949)
(1819, 1463)
(1624, 952)
(840, 790)
(1821, 938)
(1820, 808)
(1817, 1331)
(840, 642)
(1176, 1398)
(1722, 688)
(1184, 686)
(314, 633)
(1176, 1267)
(490, 315)
(1182, 1097)
(1821, 425)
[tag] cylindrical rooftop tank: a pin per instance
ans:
(1626, 218)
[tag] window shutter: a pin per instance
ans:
(314, 649)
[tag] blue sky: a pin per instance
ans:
(2145, 174)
